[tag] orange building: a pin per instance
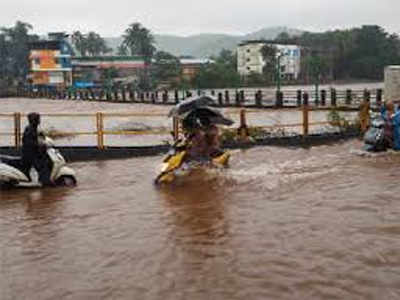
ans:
(50, 62)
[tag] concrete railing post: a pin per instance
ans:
(17, 130)
(175, 128)
(220, 102)
(279, 99)
(243, 131)
(227, 99)
(305, 112)
(333, 97)
(258, 98)
(298, 97)
(323, 97)
(348, 96)
(100, 130)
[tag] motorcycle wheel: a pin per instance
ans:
(68, 181)
(8, 185)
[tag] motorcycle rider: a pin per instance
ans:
(195, 138)
(213, 142)
(34, 154)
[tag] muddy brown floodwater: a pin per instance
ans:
(280, 223)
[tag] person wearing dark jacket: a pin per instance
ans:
(33, 154)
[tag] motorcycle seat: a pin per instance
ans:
(9, 157)
(14, 161)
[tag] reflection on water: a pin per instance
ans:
(197, 215)
(280, 223)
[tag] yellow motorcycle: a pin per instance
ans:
(177, 165)
(193, 113)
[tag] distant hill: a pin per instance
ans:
(205, 45)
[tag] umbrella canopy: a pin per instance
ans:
(207, 116)
(190, 104)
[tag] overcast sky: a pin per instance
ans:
(185, 17)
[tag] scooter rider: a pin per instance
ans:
(33, 154)
(195, 139)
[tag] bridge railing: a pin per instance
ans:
(93, 124)
(261, 98)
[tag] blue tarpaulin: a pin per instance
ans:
(82, 85)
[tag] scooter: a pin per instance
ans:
(374, 138)
(12, 175)
(176, 164)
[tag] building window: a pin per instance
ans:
(248, 50)
(248, 59)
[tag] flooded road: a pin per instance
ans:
(280, 223)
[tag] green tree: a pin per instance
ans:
(220, 74)
(317, 68)
(140, 41)
(4, 71)
(166, 66)
(79, 41)
(96, 45)
(14, 43)
(358, 52)
(269, 55)
(285, 38)
(122, 50)
(91, 44)
(370, 54)
(108, 76)
(256, 79)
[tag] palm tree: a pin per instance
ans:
(122, 50)
(79, 41)
(15, 49)
(139, 41)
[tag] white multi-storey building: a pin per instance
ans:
(250, 59)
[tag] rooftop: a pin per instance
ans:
(195, 61)
(108, 58)
(270, 42)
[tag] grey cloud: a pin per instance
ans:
(110, 18)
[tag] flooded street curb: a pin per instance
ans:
(82, 153)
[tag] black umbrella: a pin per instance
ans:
(207, 116)
(190, 104)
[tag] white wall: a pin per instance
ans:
(392, 83)
(250, 59)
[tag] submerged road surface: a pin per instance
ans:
(281, 223)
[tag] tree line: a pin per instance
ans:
(351, 54)
(360, 53)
